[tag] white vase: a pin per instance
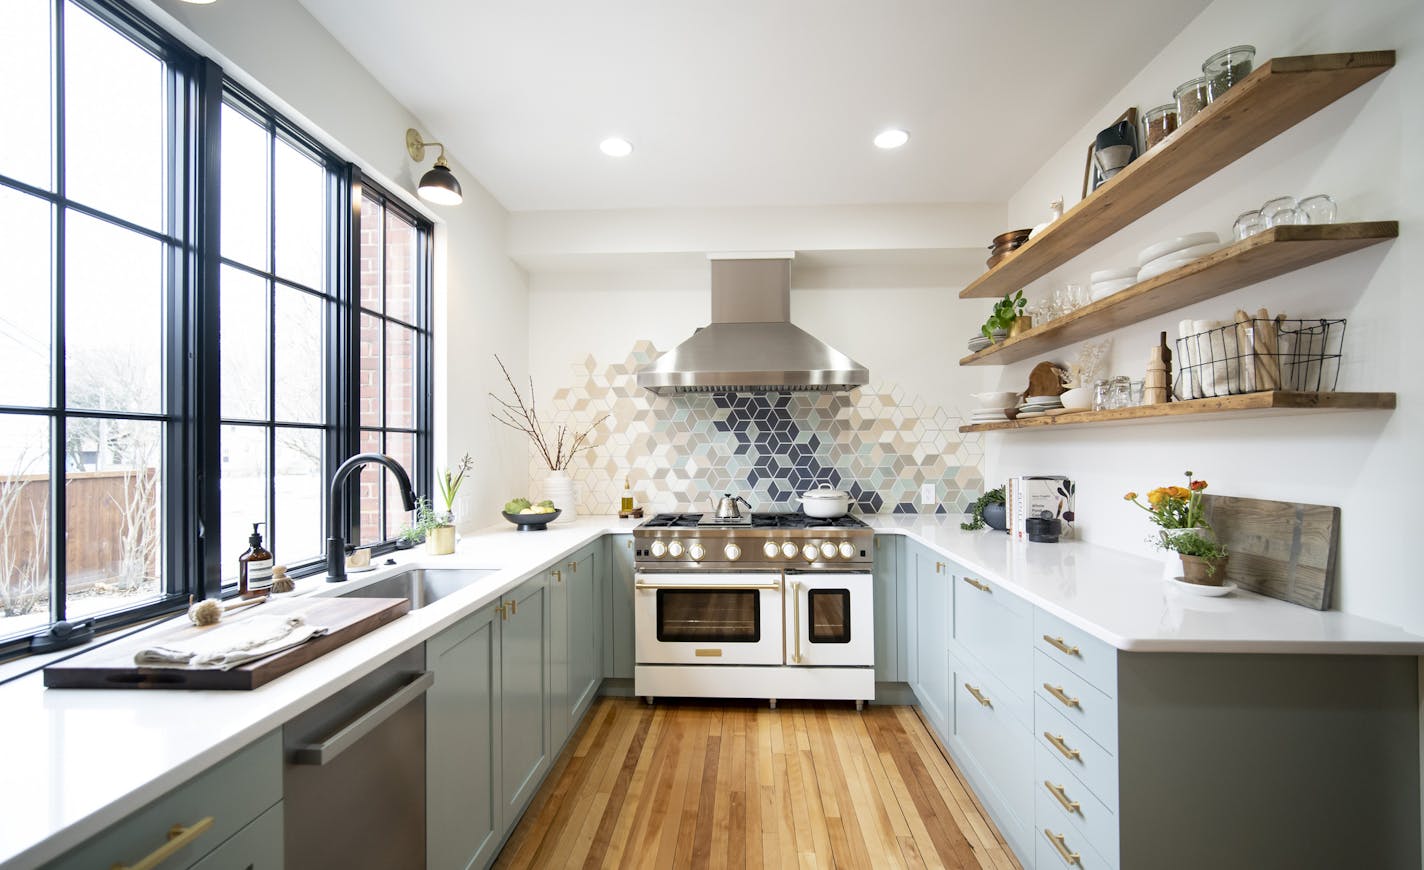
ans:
(559, 489)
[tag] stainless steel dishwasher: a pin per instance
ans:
(354, 777)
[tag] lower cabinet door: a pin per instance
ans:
(1057, 846)
(585, 599)
(997, 750)
(620, 607)
(256, 847)
(463, 825)
(887, 609)
(524, 694)
(929, 608)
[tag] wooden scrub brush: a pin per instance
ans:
(210, 611)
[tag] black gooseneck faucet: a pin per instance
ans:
(336, 544)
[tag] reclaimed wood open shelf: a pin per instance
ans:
(1271, 403)
(1275, 97)
(1262, 256)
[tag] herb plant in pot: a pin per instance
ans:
(440, 538)
(1177, 512)
(988, 510)
(1006, 313)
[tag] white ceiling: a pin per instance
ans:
(751, 102)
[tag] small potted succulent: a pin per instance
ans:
(1182, 529)
(1006, 317)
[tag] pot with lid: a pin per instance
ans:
(825, 503)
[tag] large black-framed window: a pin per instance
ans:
(160, 312)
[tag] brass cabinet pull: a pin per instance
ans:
(513, 607)
(978, 696)
(1057, 792)
(1062, 696)
(1062, 848)
(503, 613)
(796, 619)
(628, 543)
(573, 566)
(977, 585)
(1064, 748)
(558, 575)
(939, 567)
(1062, 646)
(179, 837)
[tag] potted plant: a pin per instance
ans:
(423, 521)
(1006, 313)
(988, 509)
(440, 537)
(1177, 512)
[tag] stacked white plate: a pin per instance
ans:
(994, 415)
(1106, 282)
(1174, 253)
(1038, 406)
(992, 406)
(978, 343)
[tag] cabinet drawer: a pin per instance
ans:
(1077, 651)
(1054, 848)
(233, 792)
(1088, 761)
(1077, 699)
(997, 743)
(1062, 801)
(256, 847)
(994, 626)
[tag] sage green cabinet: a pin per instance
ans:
(524, 709)
(576, 602)
(928, 609)
(620, 644)
(888, 637)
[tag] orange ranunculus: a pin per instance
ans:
(1131, 496)
(1198, 485)
(1178, 493)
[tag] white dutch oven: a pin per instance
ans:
(825, 503)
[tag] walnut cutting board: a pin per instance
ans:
(1279, 549)
(112, 666)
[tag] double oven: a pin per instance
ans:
(779, 609)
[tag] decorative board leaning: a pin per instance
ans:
(1278, 549)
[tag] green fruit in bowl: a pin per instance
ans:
(548, 504)
(517, 506)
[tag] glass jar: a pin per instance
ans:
(1137, 391)
(1120, 392)
(1318, 209)
(1191, 97)
(1248, 224)
(1102, 395)
(1158, 124)
(1227, 67)
(1279, 212)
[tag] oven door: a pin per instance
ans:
(708, 619)
(830, 620)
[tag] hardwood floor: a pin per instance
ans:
(687, 784)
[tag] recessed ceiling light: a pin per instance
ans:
(616, 147)
(891, 138)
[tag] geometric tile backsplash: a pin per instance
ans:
(678, 451)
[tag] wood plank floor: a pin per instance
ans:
(688, 784)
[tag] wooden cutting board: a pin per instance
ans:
(112, 666)
(1279, 549)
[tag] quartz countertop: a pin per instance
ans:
(83, 759)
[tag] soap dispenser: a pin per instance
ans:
(254, 567)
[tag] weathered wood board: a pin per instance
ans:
(1279, 549)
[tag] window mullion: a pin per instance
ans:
(58, 589)
(204, 537)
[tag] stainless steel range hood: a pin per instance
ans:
(751, 346)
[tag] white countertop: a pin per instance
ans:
(80, 760)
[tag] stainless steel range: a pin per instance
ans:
(760, 605)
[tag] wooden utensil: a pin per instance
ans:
(1046, 379)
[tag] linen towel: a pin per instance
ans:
(229, 644)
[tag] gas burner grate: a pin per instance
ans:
(798, 520)
(673, 521)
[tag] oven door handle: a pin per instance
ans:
(712, 587)
(796, 620)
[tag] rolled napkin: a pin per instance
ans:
(1188, 379)
(229, 644)
(1205, 354)
(1266, 347)
(1245, 344)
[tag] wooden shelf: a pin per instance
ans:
(1262, 256)
(1275, 97)
(1273, 403)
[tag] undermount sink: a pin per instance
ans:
(421, 585)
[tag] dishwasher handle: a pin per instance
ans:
(328, 749)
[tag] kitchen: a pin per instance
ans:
(580, 270)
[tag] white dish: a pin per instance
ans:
(1192, 253)
(1162, 267)
(1205, 591)
(1024, 415)
(1171, 246)
(1078, 399)
(1038, 399)
(1102, 276)
(996, 401)
(1107, 288)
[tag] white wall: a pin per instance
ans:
(278, 50)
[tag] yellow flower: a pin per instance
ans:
(1157, 496)
(1131, 496)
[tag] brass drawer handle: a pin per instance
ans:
(558, 575)
(1062, 796)
(503, 612)
(573, 566)
(513, 607)
(1064, 748)
(1062, 848)
(977, 585)
(939, 567)
(1062, 696)
(178, 838)
(977, 696)
(1062, 646)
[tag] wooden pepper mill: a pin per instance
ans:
(1157, 386)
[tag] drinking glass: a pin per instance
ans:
(1102, 395)
(1279, 204)
(1137, 388)
(1248, 224)
(1077, 296)
(1318, 209)
(1120, 392)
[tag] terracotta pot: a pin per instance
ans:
(1203, 572)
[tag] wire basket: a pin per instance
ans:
(1255, 355)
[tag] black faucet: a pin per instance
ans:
(336, 544)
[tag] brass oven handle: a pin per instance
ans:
(1066, 750)
(1062, 796)
(1062, 848)
(1062, 646)
(179, 837)
(978, 696)
(1062, 696)
(976, 584)
(796, 619)
(737, 587)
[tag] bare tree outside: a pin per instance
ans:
(24, 557)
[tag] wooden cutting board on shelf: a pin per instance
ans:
(1279, 549)
(112, 666)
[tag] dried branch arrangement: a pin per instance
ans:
(525, 418)
(1086, 368)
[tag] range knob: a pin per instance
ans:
(675, 549)
(847, 550)
(788, 550)
(770, 549)
(810, 552)
(696, 552)
(733, 552)
(828, 549)
(658, 549)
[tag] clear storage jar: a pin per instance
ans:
(1191, 97)
(1158, 124)
(1227, 67)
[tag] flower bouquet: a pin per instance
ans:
(1177, 511)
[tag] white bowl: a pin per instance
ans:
(1195, 252)
(1102, 276)
(1078, 399)
(1171, 246)
(999, 401)
(1162, 267)
(1105, 289)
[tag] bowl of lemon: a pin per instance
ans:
(528, 516)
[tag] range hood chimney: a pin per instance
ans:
(751, 346)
